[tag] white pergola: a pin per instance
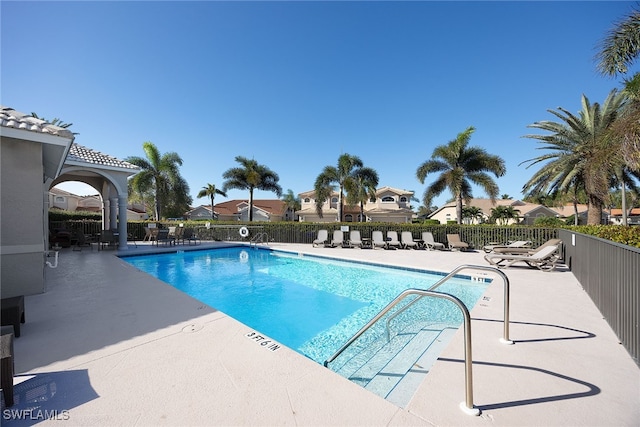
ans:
(108, 175)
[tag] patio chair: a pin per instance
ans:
(544, 259)
(80, 240)
(429, 241)
(455, 243)
(323, 236)
(392, 240)
(517, 244)
(149, 232)
(377, 240)
(355, 239)
(188, 235)
(337, 240)
(6, 364)
(107, 238)
(526, 250)
(163, 237)
(406, 239)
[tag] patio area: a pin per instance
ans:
(109, 345)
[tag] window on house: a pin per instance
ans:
(403, 199)
(348, 218)
(334, 200)
(387, 199)
(59, 199)
(307, 200)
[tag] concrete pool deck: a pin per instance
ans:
(110, 345)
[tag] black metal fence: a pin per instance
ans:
(301, 232)
(610, 274)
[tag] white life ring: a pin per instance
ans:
(244, 231)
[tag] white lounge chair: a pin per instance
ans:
(323, 236)
(429, 241)
(455, 243)
(377, 240)
(544, 259)
(337, 240)
(526, 250)
(406, 238)
(392, 240)
(355, 239)
(516, 244)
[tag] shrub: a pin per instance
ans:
(548, 221)
(60, 215)
(626, 235)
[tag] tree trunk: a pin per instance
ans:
(594, 215)
(459, 208)
(623, 192)
(575, 212)
(340, 197)
(251, 204)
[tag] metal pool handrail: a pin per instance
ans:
(505, 335)
(467, 405)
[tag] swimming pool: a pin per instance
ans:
(310, 304)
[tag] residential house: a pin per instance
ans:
(527, 212)
(61, 199)
(567, 211)
(633, 216)
(390, 205)
(269, 210)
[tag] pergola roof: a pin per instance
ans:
(79, 154)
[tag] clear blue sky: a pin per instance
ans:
(295, 84)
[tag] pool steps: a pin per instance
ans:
(393, 370)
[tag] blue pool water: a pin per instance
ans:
(310, 304)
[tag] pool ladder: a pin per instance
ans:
(259, 238)
(466, 406)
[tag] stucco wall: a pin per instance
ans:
(21, 218)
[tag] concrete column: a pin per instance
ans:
(122, 223)
(105, 213)
(113, 212)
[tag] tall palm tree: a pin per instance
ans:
(616, 52)
(342, 176)
(362, 188)
(292, 202)
(210, 191)
(580, 153)
(621, 45)
(251, 176)
(460, 166)
(160, 177)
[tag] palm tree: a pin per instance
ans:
(502, 214)
(160, 178)
(343, 176)
(251, 176)
(56, 122)
(581, 153)
(210, 191)
(471, 213)
(621, 46)
(362, 188)
(291, 202)
(460, 166)
(617, 51)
